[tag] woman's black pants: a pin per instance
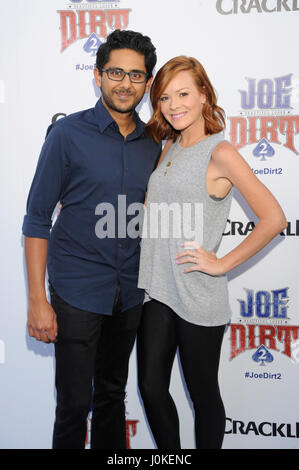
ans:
(160, 333)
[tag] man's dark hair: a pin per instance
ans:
(123, 39)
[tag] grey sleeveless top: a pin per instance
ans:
(178, 209)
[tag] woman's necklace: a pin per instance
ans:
(169, 163)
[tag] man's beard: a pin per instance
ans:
(111, 105)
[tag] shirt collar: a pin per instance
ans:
(104, 119)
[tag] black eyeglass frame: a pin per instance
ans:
(146, 75)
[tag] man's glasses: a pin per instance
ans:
(118, 75)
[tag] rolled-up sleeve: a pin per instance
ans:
(47, 185)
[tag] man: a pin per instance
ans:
(88, 158)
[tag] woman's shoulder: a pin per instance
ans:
(223, 148)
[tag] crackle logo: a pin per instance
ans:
(234, 7)
(243, 228)
(263, 429)
(91, 20)
(265, 118)
(263, 327)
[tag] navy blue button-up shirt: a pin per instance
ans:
(84, 162)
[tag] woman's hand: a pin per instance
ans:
(203, 261)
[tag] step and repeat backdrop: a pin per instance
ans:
(248, 48)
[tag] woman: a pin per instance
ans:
(186, 302)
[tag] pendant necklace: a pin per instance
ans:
(169, 163)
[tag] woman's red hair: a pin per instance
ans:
(157, 127)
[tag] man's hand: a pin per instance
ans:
(42, 323)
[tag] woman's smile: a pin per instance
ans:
(178, 115)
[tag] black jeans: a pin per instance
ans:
(160, 333)
(92, 355)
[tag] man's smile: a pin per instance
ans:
(123, 95)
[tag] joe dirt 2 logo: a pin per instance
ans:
(263, 327)
(90, 20)
(265, 118)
